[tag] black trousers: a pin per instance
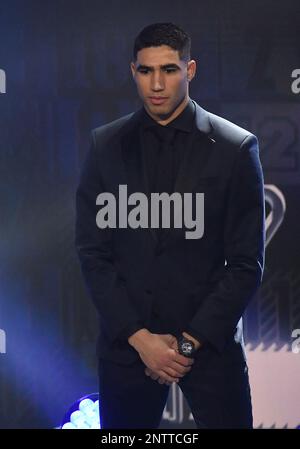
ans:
(216, 389)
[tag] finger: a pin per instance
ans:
(154, 376)
(166, 377)
(166, 337)
(182, 360)
(180, 368)
(162, 381)
(175, 373)
(165, 382)
(151, 374)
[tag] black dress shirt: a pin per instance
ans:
(163, 178)
(153, 134)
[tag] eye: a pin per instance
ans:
(171, 69)
(143, 71)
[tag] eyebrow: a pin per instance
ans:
(164, 66)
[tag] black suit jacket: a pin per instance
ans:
(199, 285)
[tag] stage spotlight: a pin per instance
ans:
(83, 414)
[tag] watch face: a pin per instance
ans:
(187, 348)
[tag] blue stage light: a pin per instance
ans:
(83, 414)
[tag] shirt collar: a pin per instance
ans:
(184, 121)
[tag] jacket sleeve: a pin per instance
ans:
(244, 244)
(95, 251)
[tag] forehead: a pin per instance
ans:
(156, 56)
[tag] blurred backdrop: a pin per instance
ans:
(64, 69)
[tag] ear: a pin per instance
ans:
(132, 67)
(191, 69)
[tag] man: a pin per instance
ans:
(169, 306)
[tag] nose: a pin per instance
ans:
(157, 81)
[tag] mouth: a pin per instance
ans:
(158, 100)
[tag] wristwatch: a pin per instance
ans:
(185, 346)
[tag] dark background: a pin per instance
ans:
(67, 71)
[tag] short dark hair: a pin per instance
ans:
(167, 33)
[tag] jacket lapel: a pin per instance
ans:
(195, 164)
(134, 162)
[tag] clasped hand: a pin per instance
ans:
(162, 359)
